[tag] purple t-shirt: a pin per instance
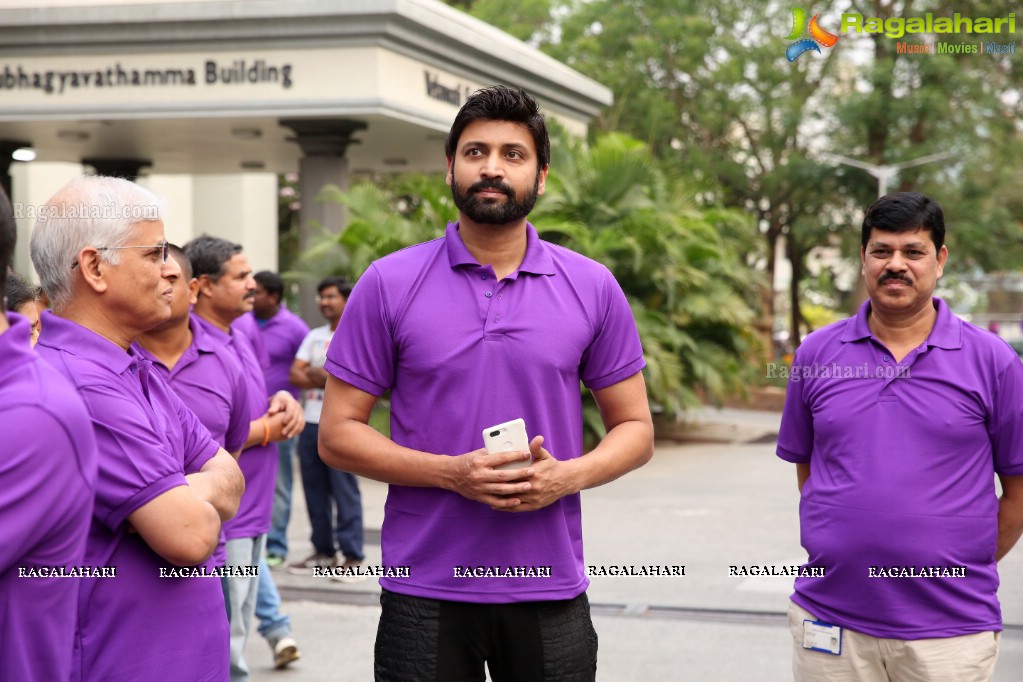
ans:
(902, 462)
(47, 488)
(136, 625)
(461, 351)
(282, 335)
(258, 463)
(209, 381)
(247, 325)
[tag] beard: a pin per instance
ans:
(493, 211)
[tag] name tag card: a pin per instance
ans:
(820, 636)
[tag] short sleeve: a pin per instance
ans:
(615, 353)
(795, 435)
(135, 466)
(39, 475)
(1006, 424)
(305, 349)
(197, 442)
(362, 352)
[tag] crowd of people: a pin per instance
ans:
(168, 431)
(150, 437)
(147, 484)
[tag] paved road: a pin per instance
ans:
(705, 506)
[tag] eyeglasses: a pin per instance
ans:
(163, 246)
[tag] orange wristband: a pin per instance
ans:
(266, 431)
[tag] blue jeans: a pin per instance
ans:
(326, 488)
(272, 624)
(277, 538)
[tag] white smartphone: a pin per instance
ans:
(508, 437)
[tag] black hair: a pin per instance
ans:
(272, 282)
(8, 235)
(502, 103)
(343, 286)
(905, 212)
(18, 292)
(209, 255)
(179, 254)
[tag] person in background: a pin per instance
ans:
(47, 490)
(26, 300)
(164, 486)
(325, 487)
(207, 376)
(224, 288)
(480, 327)
(282, 332)
(896, 470)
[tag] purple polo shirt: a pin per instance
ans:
(209, 381)
(282, 335)
(258, 463)
(461, 351)
(47, 488)
(902, 462)
(247, 325)
(136, 625)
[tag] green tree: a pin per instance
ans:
(708, 87)
(685, 281)
(901, 106)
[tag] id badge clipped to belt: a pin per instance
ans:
(821, 636)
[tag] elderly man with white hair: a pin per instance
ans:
(164, 485)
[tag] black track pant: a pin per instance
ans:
(427, 640)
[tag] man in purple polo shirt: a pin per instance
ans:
(898, 421)
(483, 326)
(206, 375)
(224, 294)
(282, 332)
(164, 485)
(47, 488)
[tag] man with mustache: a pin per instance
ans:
(224, 290)
(282, 332)
(896, 470)
(483, 326)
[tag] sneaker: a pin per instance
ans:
(350, 566)
(274, 560)
(285, 651)
(317, 560)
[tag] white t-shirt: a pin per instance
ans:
(314, 351)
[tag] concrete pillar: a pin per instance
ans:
(324, 143)
(240, 207)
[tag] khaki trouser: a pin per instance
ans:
(968, 658)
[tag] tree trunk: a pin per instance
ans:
(795, 257)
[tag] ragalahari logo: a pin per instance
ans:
(818, 36)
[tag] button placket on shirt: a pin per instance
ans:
(898, 370)
(484, 284)
(492, 297)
